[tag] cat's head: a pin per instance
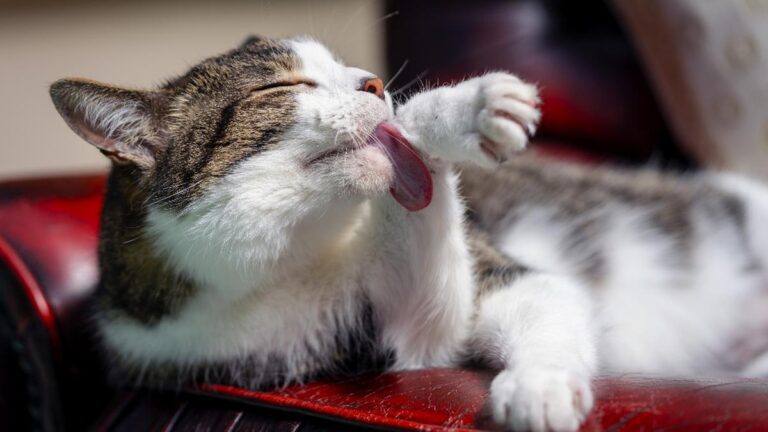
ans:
(242, 149)
(285, 104)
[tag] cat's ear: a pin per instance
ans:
(250, 40)
(121, 123)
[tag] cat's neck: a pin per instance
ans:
(326, 239)
(279, 245)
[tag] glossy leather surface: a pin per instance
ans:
(450, 399)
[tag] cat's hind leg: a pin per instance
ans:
(749, 203)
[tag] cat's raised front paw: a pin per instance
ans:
(545, 399)
(484, 120)
(507, 115)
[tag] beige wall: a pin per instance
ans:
(140, 45)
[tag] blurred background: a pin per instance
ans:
(672, 83)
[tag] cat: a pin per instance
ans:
(272, 217)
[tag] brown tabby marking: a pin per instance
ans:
(134, 280)
(195, 129)
(217, 119)
(493, 269)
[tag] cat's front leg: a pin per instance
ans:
(538, 331)
(484, 120)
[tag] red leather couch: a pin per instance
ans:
(597, 106)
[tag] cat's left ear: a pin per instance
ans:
(250, 40)
(123, 124)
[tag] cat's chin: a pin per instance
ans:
(366, 171)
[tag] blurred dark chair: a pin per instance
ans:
(598, 107)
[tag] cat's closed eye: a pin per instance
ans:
(284, 84)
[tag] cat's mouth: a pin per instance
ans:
(412, 184)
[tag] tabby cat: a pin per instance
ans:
(271, 217)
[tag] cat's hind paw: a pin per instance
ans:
(545, 399)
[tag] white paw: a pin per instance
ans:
(507, 115)
(542, 399)
(483, 120)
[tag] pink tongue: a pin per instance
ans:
(412, 187)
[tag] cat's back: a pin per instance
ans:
(576, 189)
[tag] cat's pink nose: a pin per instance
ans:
(373, 85)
